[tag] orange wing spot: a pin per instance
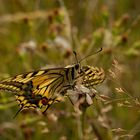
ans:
(44, 101)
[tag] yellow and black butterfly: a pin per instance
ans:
(44, 87)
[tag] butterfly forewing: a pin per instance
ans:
(92, 76)
(38, 88)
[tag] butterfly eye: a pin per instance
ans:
(77, 66)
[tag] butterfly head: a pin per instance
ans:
(78, 62)
(77, 66)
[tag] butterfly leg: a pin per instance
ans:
(70, 99)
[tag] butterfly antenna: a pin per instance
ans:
(75, 54)
(91, 54)
(17, 112)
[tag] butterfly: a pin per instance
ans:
(42, 88)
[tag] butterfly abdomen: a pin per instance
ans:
(10, 86)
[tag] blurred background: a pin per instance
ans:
(39, 34)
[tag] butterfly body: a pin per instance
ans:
(42, 88)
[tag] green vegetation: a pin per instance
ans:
(43, 33)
